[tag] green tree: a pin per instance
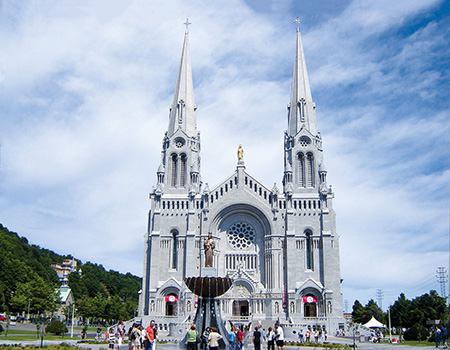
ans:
(429, 306)
(400, 316)
(373, 310)
(56, 327)
(363, 314)
(43, 296)
(358, 312)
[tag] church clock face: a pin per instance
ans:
(241, 235)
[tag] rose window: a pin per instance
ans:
(241, 235)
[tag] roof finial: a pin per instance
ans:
(187, 24)
(298, 21)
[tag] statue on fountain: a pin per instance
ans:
(209, 247)
(208, 287)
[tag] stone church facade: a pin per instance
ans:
(279, 246)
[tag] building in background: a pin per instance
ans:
(280, 246)
(67, 267)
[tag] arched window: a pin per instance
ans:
(173, 170)
(310, 170)
(183, 170)
(309, 251)
(174, 249)
(301, 170)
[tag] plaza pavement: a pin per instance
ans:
(170, 346)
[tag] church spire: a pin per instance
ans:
(301, 107)
(182, 112)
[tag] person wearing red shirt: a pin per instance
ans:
(150, 336)
(240, 336)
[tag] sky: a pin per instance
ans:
(85, 90)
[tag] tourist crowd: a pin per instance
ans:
(139, 338)
(209, 338)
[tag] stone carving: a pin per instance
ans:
(209, 247)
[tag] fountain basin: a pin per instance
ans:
(208, 287)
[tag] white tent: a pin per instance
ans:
(373, 323)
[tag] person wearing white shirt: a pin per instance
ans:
(279, 336)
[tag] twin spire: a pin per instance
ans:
(301, 108)
(183, 110)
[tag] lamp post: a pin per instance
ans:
(28, 313)
(71, 328)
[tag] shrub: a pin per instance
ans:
(416, 332)
(56, 327)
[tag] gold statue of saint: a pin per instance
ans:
(240, 153)
(209, 247)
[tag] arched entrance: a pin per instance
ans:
(241, 308)
(310, 305)
(171, 304)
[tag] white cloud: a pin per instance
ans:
(86, 90)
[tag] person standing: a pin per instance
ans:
(120, 334)
(300, 336)
(111, 338)
(270, 339)
(213, 339)
(444, 337)
(257, 339)
(133, 338)
(205, 336)
(240, 339)
(279, 336)
(437, 335)
(192, 338)
(232, 338)
(150, 336)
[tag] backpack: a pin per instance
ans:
(132, 336)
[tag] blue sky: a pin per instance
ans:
(85, 89)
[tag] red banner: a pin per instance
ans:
(310, 299)
(171, 298)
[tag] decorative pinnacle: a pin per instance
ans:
(298, 21)
(187, 24)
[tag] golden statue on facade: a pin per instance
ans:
(240, 153)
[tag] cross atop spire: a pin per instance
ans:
(187, 24)
(298, 21)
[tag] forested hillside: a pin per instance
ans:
(26, 276)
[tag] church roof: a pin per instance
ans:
(182, 112)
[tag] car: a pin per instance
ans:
(2, 317)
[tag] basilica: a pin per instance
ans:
(278, 245)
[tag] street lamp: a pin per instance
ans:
(28, 313)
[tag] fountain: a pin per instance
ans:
(207, 288)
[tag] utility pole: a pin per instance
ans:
(442, 279)
(380, 296)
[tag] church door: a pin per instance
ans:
(171, 305)
(310, 310)
(241, 308)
